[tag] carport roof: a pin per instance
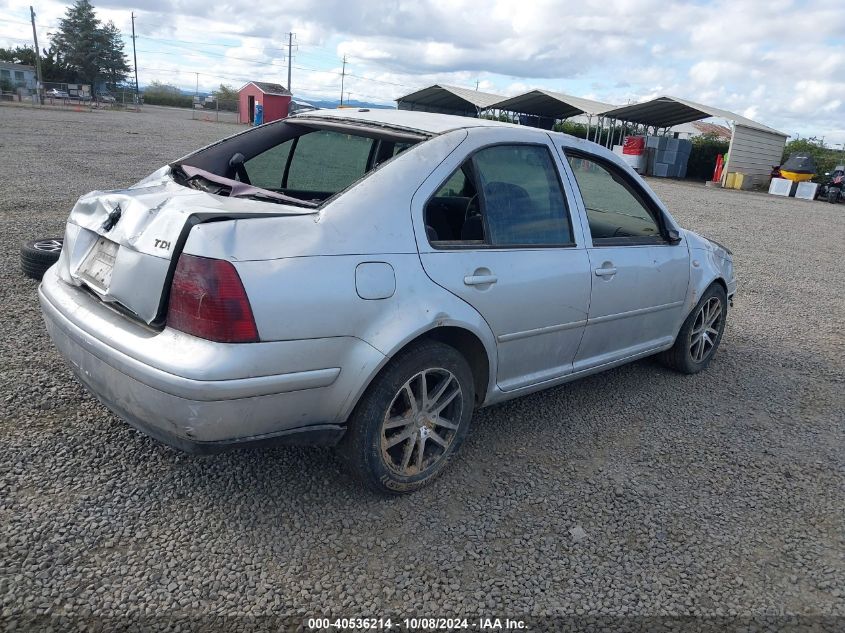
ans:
(451, 97)
(554, 105)
(667, 111)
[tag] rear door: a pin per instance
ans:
(639, 277)
(495, 230)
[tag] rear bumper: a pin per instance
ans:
(201, 396)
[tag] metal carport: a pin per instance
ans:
(448, 100)
(754, 149)
(551, 106)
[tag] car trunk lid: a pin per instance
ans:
(124, 244)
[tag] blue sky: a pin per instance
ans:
(776, 61)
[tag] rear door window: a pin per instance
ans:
(504, 195)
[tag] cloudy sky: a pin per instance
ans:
(781, 62)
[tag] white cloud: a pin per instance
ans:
(780, 60)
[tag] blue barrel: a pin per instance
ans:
(258, 119)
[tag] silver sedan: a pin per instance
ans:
(367, 279)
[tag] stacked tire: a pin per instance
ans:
(38, 255)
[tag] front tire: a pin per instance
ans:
(411, 420)
(700, 334)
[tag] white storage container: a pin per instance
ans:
(806, 190)
(780, 187)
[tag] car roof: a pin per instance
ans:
(428, 122)
(432, 124)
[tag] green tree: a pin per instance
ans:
(114, 64)
(51, 68)
(18, 55)
(158, 93)
(705, 150)
(227, 98)
(88, 50)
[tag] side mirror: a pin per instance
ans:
(674, 236)
(827, 173)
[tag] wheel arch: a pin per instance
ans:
(470, 347)
(469, 343)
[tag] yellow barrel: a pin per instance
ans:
(730, 179)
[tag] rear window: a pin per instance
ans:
(318, 164)
(300, 163)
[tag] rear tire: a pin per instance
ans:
(38, 255)
(411, 420)
(700, 334)
(833, 196)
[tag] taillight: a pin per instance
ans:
(207, 299)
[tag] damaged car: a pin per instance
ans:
(367, 279)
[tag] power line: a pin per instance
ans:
(210, 53)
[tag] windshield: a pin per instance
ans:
(290, 163)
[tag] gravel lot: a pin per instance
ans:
(720, 494)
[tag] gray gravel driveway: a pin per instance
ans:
(720, 494)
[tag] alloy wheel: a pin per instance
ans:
(705, 330)
(422, 421)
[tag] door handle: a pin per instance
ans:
(605, 272)
(480, 280)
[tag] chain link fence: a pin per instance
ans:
(79, 97)
(216, 110)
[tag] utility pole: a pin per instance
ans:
(342, 77)
(39, 88)
(290, 58)
(476, 85)
(197, 91)
(135, 57)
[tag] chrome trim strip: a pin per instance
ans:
(513, 336)
(630, 313)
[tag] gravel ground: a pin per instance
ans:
(633, 494)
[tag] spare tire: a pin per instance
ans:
(38, 255)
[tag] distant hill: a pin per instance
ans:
(320, 103)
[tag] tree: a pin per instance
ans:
(88, 50)
(115, 65)
(51, 68)
(227, 98)
(158, 93)
(18, 55)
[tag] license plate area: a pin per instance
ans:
(96, 269)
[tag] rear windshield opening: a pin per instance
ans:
(293, 164)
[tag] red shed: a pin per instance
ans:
(274, 97)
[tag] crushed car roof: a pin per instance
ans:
(411, 120)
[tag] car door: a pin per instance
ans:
(639, 274)
(497, 232)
